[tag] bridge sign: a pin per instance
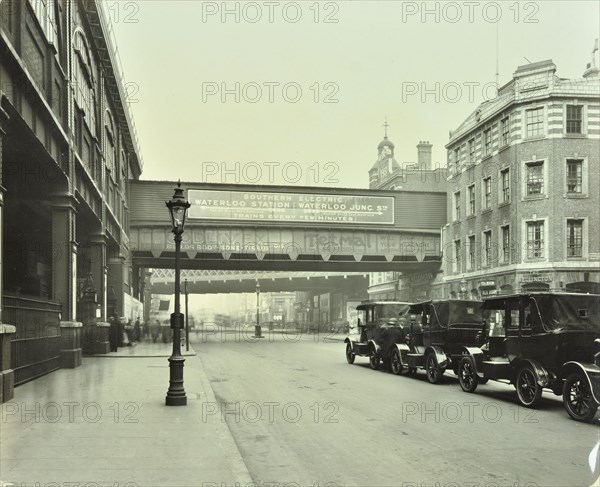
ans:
(290, 207)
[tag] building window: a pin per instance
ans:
(535, 240)
(574, 238)
(457, 206)
(535, 122)
(487, 248)
(110, 143)
(457, 251)
(457, 159)
(471, 250)
(505, 185)
(83, 74)
(44, 11)
(535, 178)
(471, 194)
(487, 142)
(472, 151)
(574, 119)
(574, 175)
(487, 193)
(505, 244)
(504, 123)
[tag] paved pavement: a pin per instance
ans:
(106, 424)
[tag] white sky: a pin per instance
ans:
(372, 57)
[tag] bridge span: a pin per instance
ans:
(280, 228)
(219, 281)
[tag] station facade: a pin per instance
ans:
(68, 152)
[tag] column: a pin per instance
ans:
(64, 255)
(147, 294)
(99, 272)
(116, 281)
(100, 328)
(64, 278)
(7, 375)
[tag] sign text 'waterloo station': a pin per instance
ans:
(293, 207)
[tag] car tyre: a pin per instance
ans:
(396, 367)
(350, 355)
(529, 391)
(467, 375)
(374, 359)
(577, 398)
(434, 371)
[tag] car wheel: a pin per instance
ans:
(350, 355)
(467, 377)
(396, 362)
(434, 371)
(528, 390)
(374, 359)
(577, 398)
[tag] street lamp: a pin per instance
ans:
(187, 323)
(257, 330)
(178, 207)
(463, 288)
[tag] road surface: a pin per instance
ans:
(301, 415)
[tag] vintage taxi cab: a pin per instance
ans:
(438, 335)
(541, 341)
(380, 324)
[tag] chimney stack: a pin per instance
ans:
(424, 155)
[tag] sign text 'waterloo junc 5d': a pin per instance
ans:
(291, 207)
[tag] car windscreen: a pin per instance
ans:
(396, 310)
(572, 312)
(447, 312)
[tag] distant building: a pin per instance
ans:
(523, 197)
(386, 173)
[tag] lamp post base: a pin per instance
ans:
(257, 332)
(176, 393)
(176, 401)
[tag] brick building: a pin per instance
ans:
(68, 150)
(523, 198)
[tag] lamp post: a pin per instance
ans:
(257, 330)
(463, 288)
(187, 323)
(178, 207)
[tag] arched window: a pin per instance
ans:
(83, 80)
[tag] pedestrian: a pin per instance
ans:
(113, 336)
(128, 329)
(121, 328)
(137, 330)
(155, 331)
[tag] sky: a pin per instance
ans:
(297, 93)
